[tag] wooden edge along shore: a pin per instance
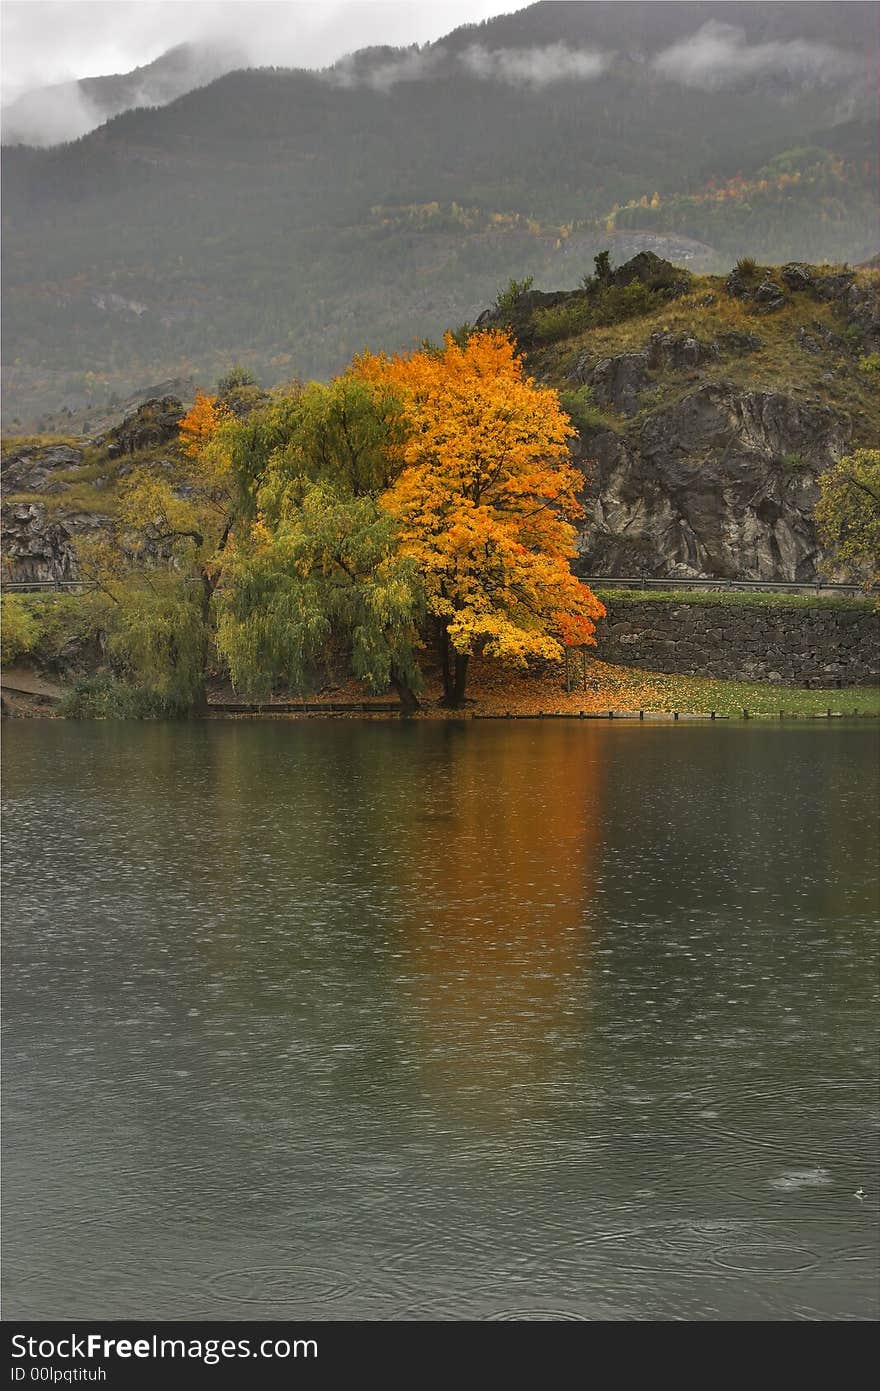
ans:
(392, 708)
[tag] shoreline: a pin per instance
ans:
(611, 694)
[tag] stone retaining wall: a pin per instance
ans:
(815, 645)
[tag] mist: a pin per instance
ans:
(534, 67)
(50, 116)
(54, 41)
(49, 46)
(717, 55)
(194, 43)
(361, 71)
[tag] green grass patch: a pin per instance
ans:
(702, 694)
(12, 444)
(104, 697)
(79, 497)
(734, 598)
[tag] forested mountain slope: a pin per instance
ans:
(289, 219)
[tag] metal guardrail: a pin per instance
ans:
(596, 581)
(47, 586)
(722, 585)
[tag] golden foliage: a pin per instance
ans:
(485, 499)
(200, 424)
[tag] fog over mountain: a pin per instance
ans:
(54, 51)
(715, 54)
(719, 55)
(68, 110)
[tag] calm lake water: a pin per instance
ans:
(440, 1021)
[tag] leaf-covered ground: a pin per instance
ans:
(495, 690)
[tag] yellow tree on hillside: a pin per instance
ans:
(200, 424)
(484, 499)
(848, 512)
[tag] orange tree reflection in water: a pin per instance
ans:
(498, 937)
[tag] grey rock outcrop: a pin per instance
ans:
(677, 352)
(36, 548)
(721, 482)
(154, 423)
(856, 303)
(617, 381)
(651, 270)
(34, 469)
(737, 343)
(39, 544)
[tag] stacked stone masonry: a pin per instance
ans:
(816, 645)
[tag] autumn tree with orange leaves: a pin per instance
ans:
(485, 498)
(200, 423)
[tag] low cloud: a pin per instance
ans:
(49, 117)
(534, 67)
(52, 115)
(385, 73)
(521, 67)
(717, 55)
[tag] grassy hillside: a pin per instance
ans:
(808, 347)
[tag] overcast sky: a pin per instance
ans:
(53, 40)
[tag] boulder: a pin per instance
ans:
(154, 423)
(768, 296)
(834, 285)
(797, 275)
(676, 352)
(737, 285)
(617, 381)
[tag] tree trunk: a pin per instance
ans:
(199, 704)
(455, 666)
(409, 701)
(209, 584)
(447, 673)
(461, 669)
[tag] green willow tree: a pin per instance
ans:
(160, 563)
(315, 561)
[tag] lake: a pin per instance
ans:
(522, 1020)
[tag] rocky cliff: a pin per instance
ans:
(54, 493)
(707, 409)
(721, 482)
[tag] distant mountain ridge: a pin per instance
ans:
(67, 110)
(701, 42)
(290, 218)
